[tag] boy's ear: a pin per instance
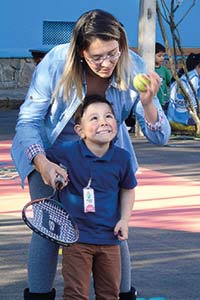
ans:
(79, 131)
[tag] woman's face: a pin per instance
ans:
(102, 56)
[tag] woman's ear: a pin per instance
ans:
(78, 129)
(81, 54)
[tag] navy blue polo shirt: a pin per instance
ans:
(108, 174)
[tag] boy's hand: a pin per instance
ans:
(121, 230)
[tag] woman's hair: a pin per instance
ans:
(86, 102)
(192, 61)
(91, 25)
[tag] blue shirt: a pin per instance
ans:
(195, 80)
(41, 121)
(108, 175)
(177, 110)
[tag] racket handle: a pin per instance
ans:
(59, 182)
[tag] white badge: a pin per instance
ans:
(88, 197)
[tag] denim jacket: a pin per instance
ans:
(40, 120)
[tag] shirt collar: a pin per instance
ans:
(87, 153)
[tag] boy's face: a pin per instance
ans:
(159, 58)
(98, 125)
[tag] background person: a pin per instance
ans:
(177, 110)
(97, 61)
(165, 75)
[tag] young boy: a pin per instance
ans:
(165, 75)
(100, 196)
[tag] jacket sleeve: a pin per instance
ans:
(158, 133)
(30, 128)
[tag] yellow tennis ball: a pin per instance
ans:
(140, 82)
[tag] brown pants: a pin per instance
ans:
(103, 261)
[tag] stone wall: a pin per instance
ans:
(15, 72)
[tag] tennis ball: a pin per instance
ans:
(140, 82)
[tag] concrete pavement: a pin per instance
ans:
(12, 98)
(164, 227)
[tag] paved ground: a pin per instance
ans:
(164, 228)
(12, 98)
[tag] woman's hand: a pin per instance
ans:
(50, 171)
(146, 98)
(151, 89)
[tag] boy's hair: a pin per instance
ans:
(159, 48)
(86, 102)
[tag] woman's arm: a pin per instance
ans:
(31, 130)
(49, 170)
(152, 119)
(147, 109)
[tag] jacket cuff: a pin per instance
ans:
(158, 125)
(33, 150)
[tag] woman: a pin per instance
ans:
(97, 61)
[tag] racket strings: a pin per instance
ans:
(53, 221)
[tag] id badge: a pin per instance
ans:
(89, 201)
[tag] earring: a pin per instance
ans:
(81, 60)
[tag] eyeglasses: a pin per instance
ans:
(99, 60)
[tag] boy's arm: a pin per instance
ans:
(127, 199)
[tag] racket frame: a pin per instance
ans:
(57, 203)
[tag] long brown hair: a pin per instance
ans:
(91, 25)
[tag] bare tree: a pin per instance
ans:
(146, 46)
(167, 13)
(146, 29)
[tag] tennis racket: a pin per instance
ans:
(49, 218)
